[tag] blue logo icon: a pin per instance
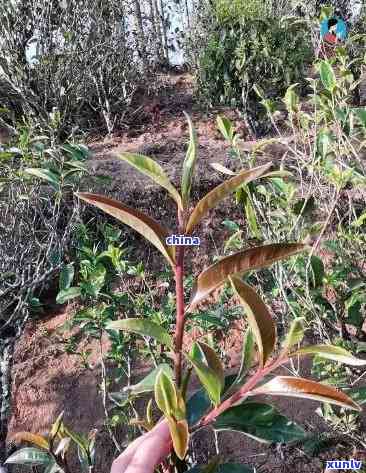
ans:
(333, 30)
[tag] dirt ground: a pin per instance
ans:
(47, 381)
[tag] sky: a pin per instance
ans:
(175, 17)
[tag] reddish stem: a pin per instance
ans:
(242, 392)
(180, 319)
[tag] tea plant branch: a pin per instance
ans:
(180, 322)
(242, 393)
(180, 309)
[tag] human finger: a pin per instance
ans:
(148, 451)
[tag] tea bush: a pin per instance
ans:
(73, 63)
(38, 214)
(261, 50)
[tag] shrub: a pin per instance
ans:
(71, 64)
(228, 11)
(36, 229)
(265, 51)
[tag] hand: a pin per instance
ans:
(146, 452)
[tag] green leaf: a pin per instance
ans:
(259, 91)
(46, 175)
(220, 192)
(235, 241)
(291, 99)
(251, 216)
(304, 206)
(231, 226)
(197, 406)
(317, 271)
(143, 327)
(66, 276)
(304, 388)
(353, 306)
(209, 357)
(247, 356)
(327, 76)
(146, 226)
(331, 352)
(277, 174)
(211, 379)
(361, 347)
(29, 456)
(77, 166)
(326, 12)
(355, 316)
(96, 280)
(68, 294)
(6, 155)
(226, 128)
(56, 426)
(238, 263)
(360, 221)
(295, 334)
(189, 163)
(323, 142)
(147, 384)
(361, 115)
(166, 395)
(78, 439)
(358, 395)
(78, 152)
(152, 169)
(199, 403)
(259, 319)
(63, 446)
(261, 422)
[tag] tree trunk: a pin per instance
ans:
(154, 18)
(188, 18)
(140, 29)
(158, 30)
(163, 25)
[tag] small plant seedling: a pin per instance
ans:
(52, 450)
